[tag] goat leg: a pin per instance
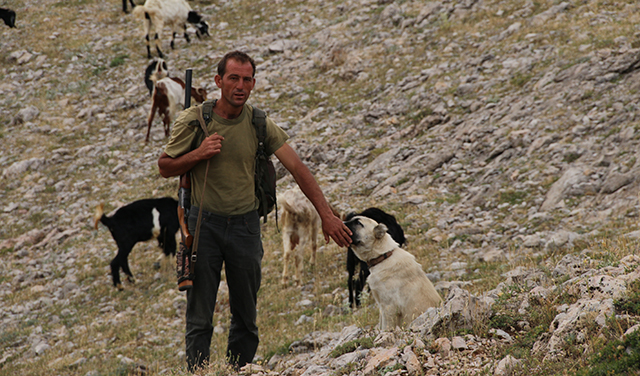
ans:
(167, 124)
(288, 249)
(127, 271)
(148, 47)
(150, 120)
(157, 40)
(186, 36)
(115, 273)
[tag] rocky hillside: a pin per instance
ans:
(502, 133)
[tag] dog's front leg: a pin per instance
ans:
(384, 321)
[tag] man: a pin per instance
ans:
(230, 230)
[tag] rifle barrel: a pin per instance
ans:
(187, 88)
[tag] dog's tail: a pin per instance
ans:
(97, 217)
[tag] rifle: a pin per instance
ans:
(183, 259)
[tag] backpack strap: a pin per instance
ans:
(207, 110)
(260, 123)
(207, 115)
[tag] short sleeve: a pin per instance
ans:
(276, 137)
(182, 133)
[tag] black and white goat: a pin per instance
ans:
(124, 5)
(137, 222)
(175, 14)
(156, 71)
(8, 16)
(356, 284)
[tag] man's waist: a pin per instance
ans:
(220, 216)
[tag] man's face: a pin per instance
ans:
(237, 83)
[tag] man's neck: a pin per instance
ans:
(226, 111)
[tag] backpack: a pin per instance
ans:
(265, 172)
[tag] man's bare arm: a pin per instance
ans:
(332, 226)
(180, 165)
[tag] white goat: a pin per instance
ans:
(175, 14)
(300, 227)
(168, 101)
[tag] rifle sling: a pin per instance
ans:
(196, 238)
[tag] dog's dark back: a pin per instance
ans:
(393, 228)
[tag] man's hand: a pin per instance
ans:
(180, 165)
(210, 146)
(336, 229)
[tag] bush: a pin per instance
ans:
(631, 303)
(620, 357)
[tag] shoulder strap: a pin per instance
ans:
(207, 114)
(260, 122)
(207, 109)
(196, 239)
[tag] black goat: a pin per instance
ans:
(8, 16)
(356, 284)
(124, 5)
(137, 222)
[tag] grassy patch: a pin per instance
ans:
(520, 79)
(630, 304)
(118, 60)
(351, 346)
(618, 357)
(512, 196)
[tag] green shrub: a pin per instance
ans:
(631, 303)
(619, 357)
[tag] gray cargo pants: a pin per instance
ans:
(235, 242)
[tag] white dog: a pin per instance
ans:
(300, 226)
(397, 282)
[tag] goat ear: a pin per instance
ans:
(380, 231)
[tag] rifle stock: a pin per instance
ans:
(184, 200)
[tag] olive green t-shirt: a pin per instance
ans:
(230, 188)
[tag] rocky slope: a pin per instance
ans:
(500, 132)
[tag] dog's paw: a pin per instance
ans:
(131, 280)
(119, 287)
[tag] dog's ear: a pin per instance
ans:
(380, 231)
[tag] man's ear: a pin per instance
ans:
(218, 80)
(380, 231)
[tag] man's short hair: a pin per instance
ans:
(239, 56)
